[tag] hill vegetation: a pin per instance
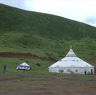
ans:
(44, 34)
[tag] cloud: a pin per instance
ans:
(73, 9)
(15, 3)
(90, 20)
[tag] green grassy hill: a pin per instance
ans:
(44, 35)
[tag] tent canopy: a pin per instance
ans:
(23, 66)
(71, 60)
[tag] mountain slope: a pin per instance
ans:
(44, 34)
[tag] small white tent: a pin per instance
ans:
(23, 66)
(72, 64)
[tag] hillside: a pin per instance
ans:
(44, 35)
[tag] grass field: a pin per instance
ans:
(36, 64)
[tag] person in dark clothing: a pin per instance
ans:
(5, 68)
(85, 72)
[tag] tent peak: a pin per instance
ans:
(71, 53)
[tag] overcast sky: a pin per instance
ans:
(79, 10)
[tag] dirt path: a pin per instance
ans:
(21, 55)
(47, 87)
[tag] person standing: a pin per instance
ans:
(5, 68)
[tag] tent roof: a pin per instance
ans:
(71, 60)
(24, 64)
(71, 53)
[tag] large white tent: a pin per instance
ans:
(72, 64)
(23, 66)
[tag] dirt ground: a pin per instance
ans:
(22, 55)
(47, 86)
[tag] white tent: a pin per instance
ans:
(23, 66)
(72, 64)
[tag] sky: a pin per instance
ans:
(79, 10)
